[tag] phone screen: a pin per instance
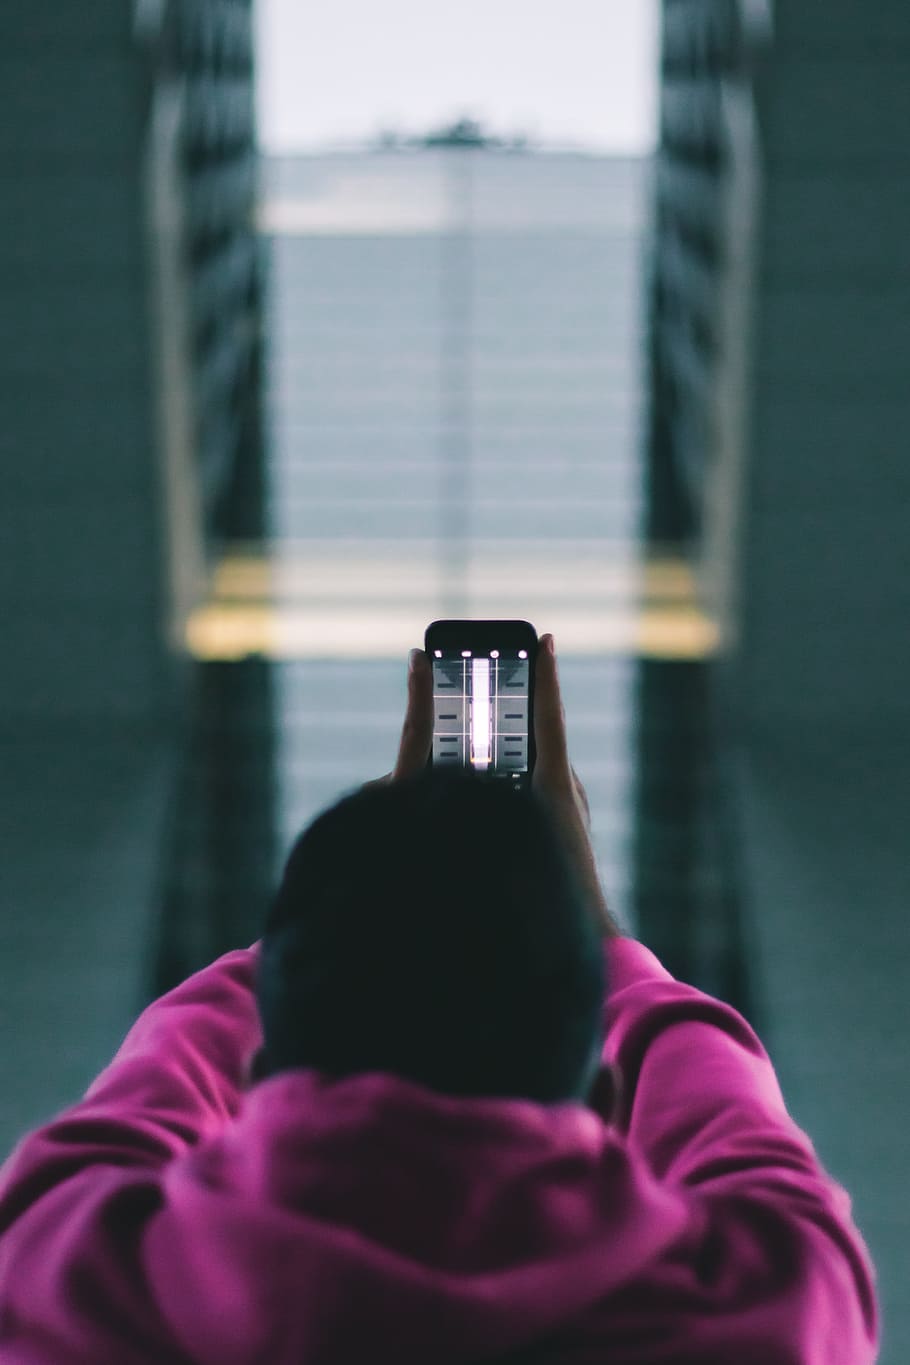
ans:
(482, 693)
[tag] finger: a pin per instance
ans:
(417, 731)
(550, 717)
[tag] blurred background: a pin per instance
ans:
(322, 322)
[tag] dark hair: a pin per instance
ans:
(433, 928)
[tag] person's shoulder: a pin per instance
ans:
(630, 963)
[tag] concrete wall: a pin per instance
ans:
(781, 406)
(79, 498)
(829, 482)
(86, 696)
(818, 683)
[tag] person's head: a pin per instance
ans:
(432, 928)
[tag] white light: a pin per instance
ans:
(494, 653)
(466, 654)
(438, 653)
(480, 713)
(522, 654)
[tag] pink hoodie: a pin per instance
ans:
(174, 1216)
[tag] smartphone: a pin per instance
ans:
(483, 697)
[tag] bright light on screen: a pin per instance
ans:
(480, 713)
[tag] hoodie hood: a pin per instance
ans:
(336, 1220)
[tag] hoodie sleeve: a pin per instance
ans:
(176, 1078)
(773, 1267)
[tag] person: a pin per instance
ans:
(445, 1111)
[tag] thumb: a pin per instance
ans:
(550, 718)
(417, 731)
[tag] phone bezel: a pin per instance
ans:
(481, 635)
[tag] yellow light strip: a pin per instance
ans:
(319, 601)
(230, 632)
(242, 577)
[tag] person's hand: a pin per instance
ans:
(554, 779)
(558, 784)
(417, 731)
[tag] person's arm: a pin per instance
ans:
(558, 785)
(773, 1268)
(177, 1077)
